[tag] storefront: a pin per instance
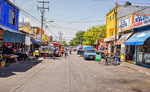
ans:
(125, 50)
(125, 31)
(140, 40)
(102, 46)
(111, 44)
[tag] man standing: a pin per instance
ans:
(36, 54)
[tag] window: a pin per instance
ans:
(113, 16)
(0, 10)
(110, 18)
(12, 17)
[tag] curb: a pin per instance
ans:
(137, 68)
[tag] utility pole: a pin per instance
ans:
(42, 10)
(60, 36)
(115, 12)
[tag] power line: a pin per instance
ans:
(30, 16)
(42, 10)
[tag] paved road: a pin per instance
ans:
(71, 75)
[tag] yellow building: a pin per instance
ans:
(110, 23)
(26, 28)
(122, 11)
(110, 29)
(45, 39)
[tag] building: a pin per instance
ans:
(140, 40)
(25, 27)
(9, 17)
(122, 11)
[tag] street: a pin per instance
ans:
(71, 75)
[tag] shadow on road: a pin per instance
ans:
(19, 67)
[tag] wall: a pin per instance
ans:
(110, 23)
(5, 15)
(26, 27)
(122, 12)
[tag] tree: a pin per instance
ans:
(94, 33)
(78, 39)
(64, 43)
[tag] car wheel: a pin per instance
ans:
(85, 58)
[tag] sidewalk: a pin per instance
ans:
(137, 68)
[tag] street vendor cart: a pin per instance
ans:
(46, 51)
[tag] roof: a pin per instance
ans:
(13, 5)
(123, 6)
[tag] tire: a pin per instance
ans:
(103, 62)
(85, 58)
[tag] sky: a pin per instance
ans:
(70, 16)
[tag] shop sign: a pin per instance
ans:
(125, 23)
(141, 20)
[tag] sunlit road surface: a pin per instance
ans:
(71, 75)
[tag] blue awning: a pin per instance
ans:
(138, 38)
(88, 48)
(13, 37)
(35, 42)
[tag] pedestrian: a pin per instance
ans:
(62, 51)
(54, 52)
(66, 52)
(106, 55)
(70, 50)
(36, 54)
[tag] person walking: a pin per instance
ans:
(54, 52)
(62, 51)
(106, 56)
(36, 54)
(66, 52)
(70, 50)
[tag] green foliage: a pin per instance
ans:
(78, 39)
(88, 38)
(94, 33)
(64, 43)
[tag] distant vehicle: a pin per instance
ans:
(89, 54)
(57, 52)
(84, 49)
(74, 49)
(79, 51)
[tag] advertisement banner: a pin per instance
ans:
(125, 23)
(141, 20)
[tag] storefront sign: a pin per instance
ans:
(125, 23)
(141, 20)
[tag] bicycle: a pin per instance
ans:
(110, 60)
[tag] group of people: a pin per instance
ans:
(65, 51)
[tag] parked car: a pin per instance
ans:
(85, 48)
(89, 54)
(79, 51)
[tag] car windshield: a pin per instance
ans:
(90, 51)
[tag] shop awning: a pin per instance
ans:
(35, 42)
(138, 38)
(112, 38)
(13, 37)
(123, 38)
(9, 29)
